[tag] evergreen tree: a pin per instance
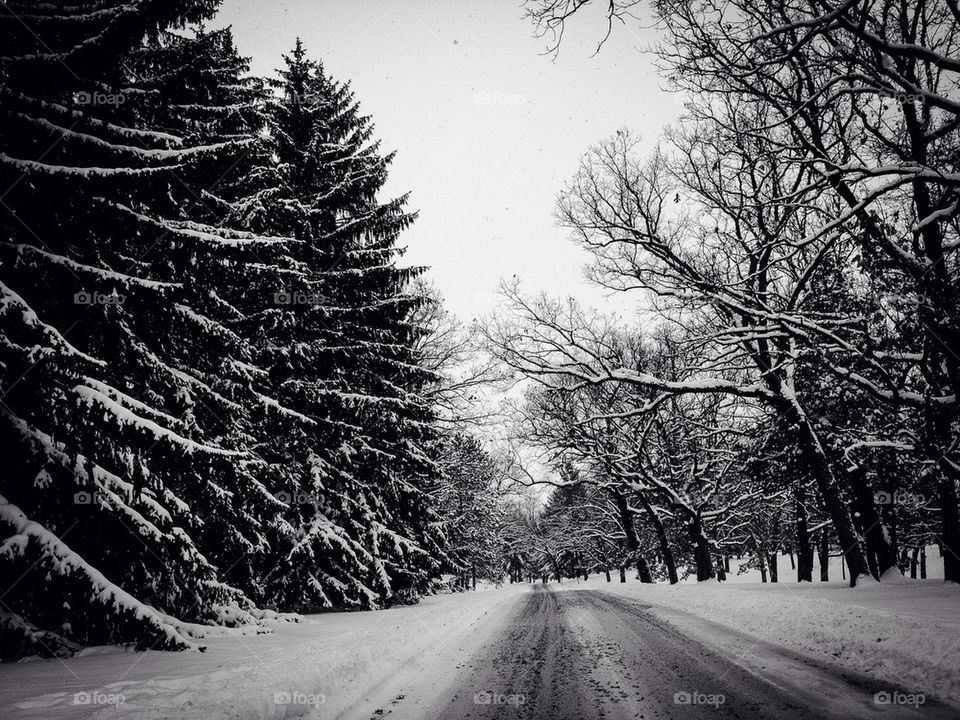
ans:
(340, 348)
(127, 485)
(470, 506)
(208, 364)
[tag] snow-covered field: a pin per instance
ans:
(346, 664)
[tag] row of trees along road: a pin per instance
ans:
(215, 394)
(792, 245)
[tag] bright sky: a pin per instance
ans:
(486, 127)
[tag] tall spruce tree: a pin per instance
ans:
(340, 348)
(120, 381)
(206, 97)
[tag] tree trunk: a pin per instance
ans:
(824, 556)
(950, 536)
(773, 565)
(762, 555)
(607, 571)
(851, 543)
(701, 550)
(633, 542)
(643, 570)
(923, 561)
(664, 543)
(804, 564)
(623, 574)
(889, 516)
(914, 563)
(881, 553)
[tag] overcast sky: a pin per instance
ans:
(486, 127)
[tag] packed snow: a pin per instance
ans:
(344, 664)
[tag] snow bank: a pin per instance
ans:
(906, 634)
(321, 667)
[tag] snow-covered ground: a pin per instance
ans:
(352, 664)
(837, 571)
(323, 667)
(906, 634)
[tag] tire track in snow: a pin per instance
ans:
(583, 654)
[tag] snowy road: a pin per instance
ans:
(584, 654)
(577, 651)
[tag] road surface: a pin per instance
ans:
(586, 654)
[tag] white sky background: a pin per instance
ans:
(487, 129)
